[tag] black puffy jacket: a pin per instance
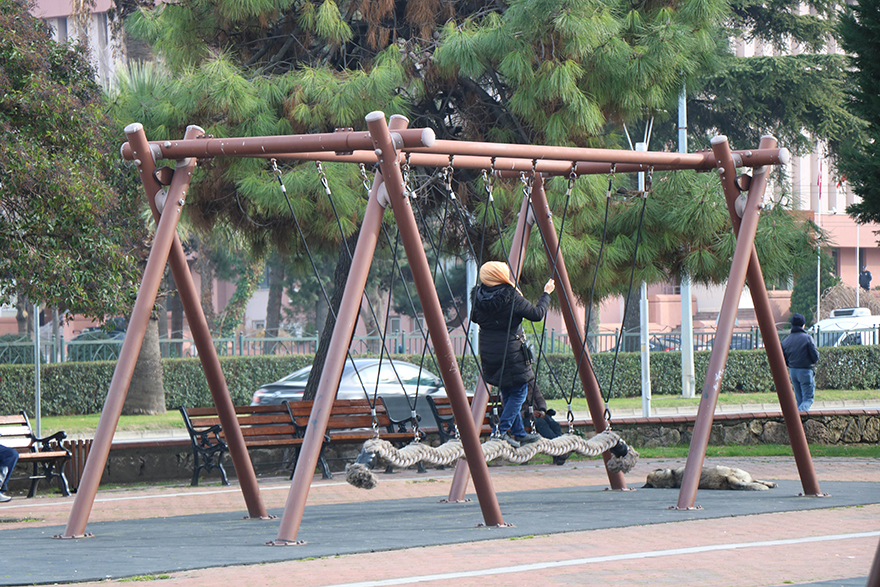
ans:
(500, 347)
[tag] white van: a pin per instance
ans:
(847, 326)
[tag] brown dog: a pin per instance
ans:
(710, 478)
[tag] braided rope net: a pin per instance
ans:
(359, 475)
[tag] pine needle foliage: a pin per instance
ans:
(860, 159)
(564, 72)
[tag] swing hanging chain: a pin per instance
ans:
(631, 279)
(405, 168)
(613, 170)
(570, 417)
(277, 171)
(447, 177)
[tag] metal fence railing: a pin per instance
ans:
(21, 349)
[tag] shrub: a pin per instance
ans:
(80, 388)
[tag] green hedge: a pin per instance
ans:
(80, 388)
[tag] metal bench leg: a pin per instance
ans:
(223, 478)
(56, 469)
(196, 468)
(35, 479)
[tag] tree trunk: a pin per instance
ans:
(56, 336)
(632, 323)
(22, 315)
(146, 394)
(176, 307)
(340, 277)
(273, 304)
(322, 311)
(591, 329)
(205, 269)
(162, 308)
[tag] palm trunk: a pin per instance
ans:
(146, 393)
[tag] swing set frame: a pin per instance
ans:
(388, 144)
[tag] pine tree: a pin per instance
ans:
(795, 91)
(860, 160)
(547, 72)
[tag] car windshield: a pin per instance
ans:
(299, 376)
(409, 375)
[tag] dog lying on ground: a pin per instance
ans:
(711, 478)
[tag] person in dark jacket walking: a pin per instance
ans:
(499, 308)
(800, 356)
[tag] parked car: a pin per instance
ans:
(397, 382)
(847, 327)
(671, 342)
(741, 342)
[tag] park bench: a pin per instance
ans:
(441, 409)
(46, 455)
(284, 425)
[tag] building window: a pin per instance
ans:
(394, 325)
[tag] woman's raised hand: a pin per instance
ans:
(549, 287)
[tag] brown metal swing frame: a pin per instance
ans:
(386, 143)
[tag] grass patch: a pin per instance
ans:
(16, 520)
(89, 423)
(144, 578)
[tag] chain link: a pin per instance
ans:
(323, 177)
(447, 177)
(364, 179)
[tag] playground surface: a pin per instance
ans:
(566, 529)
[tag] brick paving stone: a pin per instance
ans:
(636, 546)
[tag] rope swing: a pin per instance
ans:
(376, 450)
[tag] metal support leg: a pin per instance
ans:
(772, 345)
(346, 318)
(718, 359)
(137, 326)
(198, 325)
(544, 219)
(444, 351)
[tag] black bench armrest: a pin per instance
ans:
(202, 438)
(44, 442)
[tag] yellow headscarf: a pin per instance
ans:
(495, 273)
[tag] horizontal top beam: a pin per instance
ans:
(702, 161)
(423, 150)
(342, 142)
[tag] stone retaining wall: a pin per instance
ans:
(820, 427)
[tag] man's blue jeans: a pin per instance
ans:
(8, 458)
(511, 413)
(804, 387)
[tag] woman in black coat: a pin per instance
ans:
(499, 308)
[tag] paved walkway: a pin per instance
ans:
(567, 530)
